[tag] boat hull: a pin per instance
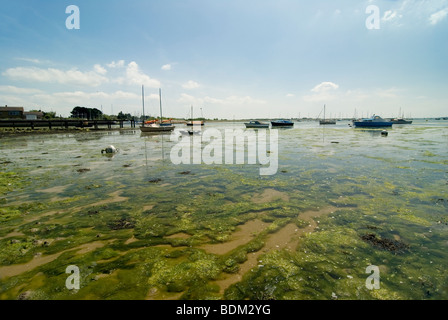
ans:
(362, 124)
(323, 122)
(256, 125)
(282, 124)
(266, 126)
(157, 129)
(195, 123)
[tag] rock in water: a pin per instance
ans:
(109, 149)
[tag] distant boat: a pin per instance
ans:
(374, 122)
(324, 121)
(155, 126)
(194, 122)
(256, 124)
(400, 121)
(282, 123)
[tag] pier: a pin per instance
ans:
(63, 123)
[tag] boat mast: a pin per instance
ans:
(160, 97)
(143, 103)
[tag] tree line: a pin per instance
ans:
(95, 114)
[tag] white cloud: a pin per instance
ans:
(118, 95)
(324, 87)
(51, 75)
(166, 67)
(290, 95)
(16, 90)
(389, 15)
(99, 69)
(190, 85)
(438, 16)
(186, 98)
(36, 61)
(324, 91)
(134, 76)
(94, 78)
(116, 64)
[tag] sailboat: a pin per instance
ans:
(324, 121)
(400, 120)
(155, 126)
(193, 122)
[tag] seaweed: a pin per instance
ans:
(385, 243)
(139, 233)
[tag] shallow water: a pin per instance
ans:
(194, 231)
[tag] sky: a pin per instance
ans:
(228, 59)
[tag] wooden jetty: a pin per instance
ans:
(62, 123)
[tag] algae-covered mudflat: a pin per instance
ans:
(137, 226)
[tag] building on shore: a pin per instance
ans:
(8, 112)
(33, 115)
(11, 112)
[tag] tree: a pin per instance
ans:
(124, 116)
(86, 113)
(49, 115)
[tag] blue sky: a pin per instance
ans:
(242, 59)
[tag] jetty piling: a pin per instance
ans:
(63, 123)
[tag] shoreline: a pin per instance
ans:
(40, 131)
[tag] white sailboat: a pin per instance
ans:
(324, 121)
(154, 126)
(194, 122)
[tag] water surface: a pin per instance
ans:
(140, 227)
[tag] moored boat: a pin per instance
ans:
(373, 122)
(154, 126)
(326, 121)
(194, 122)
(401, 121)
(282, 123)
(256, 124)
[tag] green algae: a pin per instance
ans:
(138, 259)
(10, 181)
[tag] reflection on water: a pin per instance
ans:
(385, 194)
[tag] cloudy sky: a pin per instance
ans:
(227, 58)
